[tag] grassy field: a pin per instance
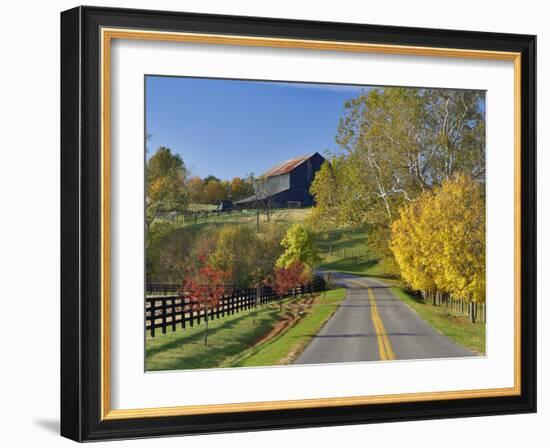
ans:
(231, 337)
(456, 327)
(202, 207)
(345, 250)
(287, 346)
(289, 215)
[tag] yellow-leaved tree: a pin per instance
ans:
(438, 240)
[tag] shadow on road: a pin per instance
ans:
(363, 335)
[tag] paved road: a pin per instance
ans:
(372, 324)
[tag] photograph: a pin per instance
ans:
(281, 222)
(290, 223)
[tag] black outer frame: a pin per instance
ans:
(80, 224)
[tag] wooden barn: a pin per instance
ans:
(285, 185)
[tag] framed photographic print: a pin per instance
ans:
(273, 223)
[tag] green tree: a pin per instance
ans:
(165, 179)
(299, 246)
(235, 253)
(211, 178)
(247, 255)
(395, 144)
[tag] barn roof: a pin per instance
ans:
(273, 186)
(286, 167)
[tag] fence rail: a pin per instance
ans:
(477, 312)
(178, 311)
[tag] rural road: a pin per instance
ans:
(372, 324)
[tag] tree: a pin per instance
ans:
(214, 191)
(286, 278)
(165, 178)
(195, 187)
(395, 144)
(264, 188)
(439, 240)
(160, 247)
(339, 196)
(299, 246)
(235, 253)
(240, 189)
(205, 290)
(211, 178)
(324, 189)
(413, 246)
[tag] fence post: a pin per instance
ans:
(173, 314)
(182, 312)
(164, 317)
(153, 312)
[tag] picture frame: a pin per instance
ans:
(86, 37)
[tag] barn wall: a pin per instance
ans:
(298, 182)
(301, 178)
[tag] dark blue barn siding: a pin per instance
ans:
(300, 182)
(302, 177)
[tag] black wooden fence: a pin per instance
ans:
(477, 312)
(178, 311)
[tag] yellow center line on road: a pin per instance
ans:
(384, 347)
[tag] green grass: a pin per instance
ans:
(338, 240)
(370, 268)
(185, 349)
(286, 215)
(456, 327)
(201, 207)
(285, 347)
(228, 337)
(345, 250)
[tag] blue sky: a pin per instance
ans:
(232, 128)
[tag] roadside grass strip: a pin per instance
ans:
(285, 347)
(240, 340)
(456, 327)
(185, 349)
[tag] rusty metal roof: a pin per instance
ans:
(286, 167)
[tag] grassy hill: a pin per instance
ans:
(346, 250)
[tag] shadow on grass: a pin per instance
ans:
(197, 337)
(365, 268)
(416, 296)
(210, 356)
(347, 264)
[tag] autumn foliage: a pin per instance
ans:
(286, 278)
(205, 289)
(438, 240)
